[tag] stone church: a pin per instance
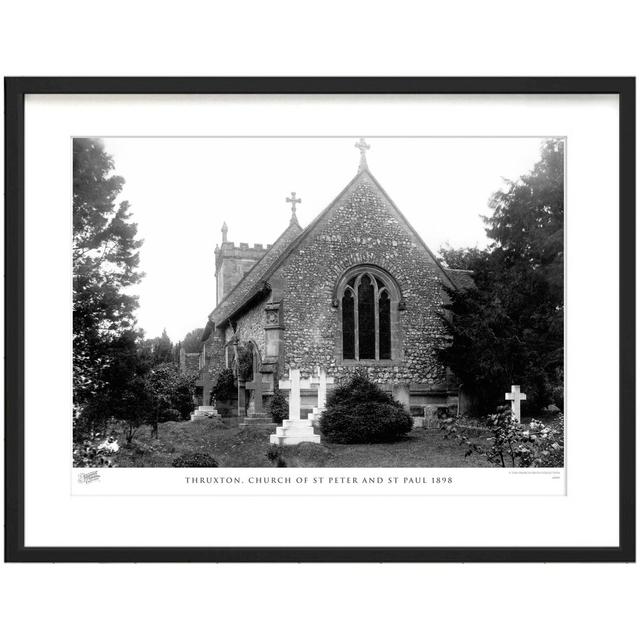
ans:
(357, 287)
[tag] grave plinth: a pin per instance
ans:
(204, 411)
(294, 430)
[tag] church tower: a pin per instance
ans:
(233, 262)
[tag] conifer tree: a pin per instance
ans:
(105, 265)
(509, 328)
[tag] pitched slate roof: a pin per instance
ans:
(256, 281)
(462, 278)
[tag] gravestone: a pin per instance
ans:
(256, 415)
(294, 430)
(205, 410)
(322, 380)
(256, 408)
(516, 397)
(207, 386)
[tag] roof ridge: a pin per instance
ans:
(304, 233)
(413, 231)
(255, 264)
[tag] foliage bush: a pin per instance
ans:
(194, 460)
(167, 394)
(512, 444)
(279, 407)
(225, 388)
(274, 455)
(359, 412)
(509, 327)
(245, 362)
(89, 454)
(171, 414)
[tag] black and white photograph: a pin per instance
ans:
(318, 302)
(306, 327)
(320, 320)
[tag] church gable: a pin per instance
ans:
(371, 220)
(254, 282)
(357, 287)
(363, 235)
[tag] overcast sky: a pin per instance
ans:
(181, 190)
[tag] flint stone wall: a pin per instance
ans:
(362, 228)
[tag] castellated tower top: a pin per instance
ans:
(233, 262)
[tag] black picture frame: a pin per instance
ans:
(15, 91)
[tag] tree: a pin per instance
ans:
(157, 350)
(528, 218)
(168, 393)
(105, 264)
(225, 388)
(191, 342)
(164, 348)
(460, 258)
(509, 328)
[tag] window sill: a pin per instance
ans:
(368, 363)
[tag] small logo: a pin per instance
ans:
(86, 478)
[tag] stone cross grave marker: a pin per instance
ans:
(294, 384)
(207, 386)
(516, 397)
(322, 380)
(258, 386)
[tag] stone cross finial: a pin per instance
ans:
(364, 147)
(293, 200)
(516, 397)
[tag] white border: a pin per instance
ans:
(587, 516)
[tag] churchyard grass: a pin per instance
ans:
(234, 446)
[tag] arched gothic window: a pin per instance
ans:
(369, 301)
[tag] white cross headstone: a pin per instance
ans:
(516, 397)
(322, 380)
(294, 384)
(294, 430)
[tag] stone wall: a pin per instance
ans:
(215, 354)
(250, 327)
(362, 228)
(232, 263)
(189, 363)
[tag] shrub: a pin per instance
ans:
(274, 455)
(225, 387)
(245, 362)
(194, 460)
(279, 407)
(509, 443)
(359, 412)
(172, 415)
(215, 422)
